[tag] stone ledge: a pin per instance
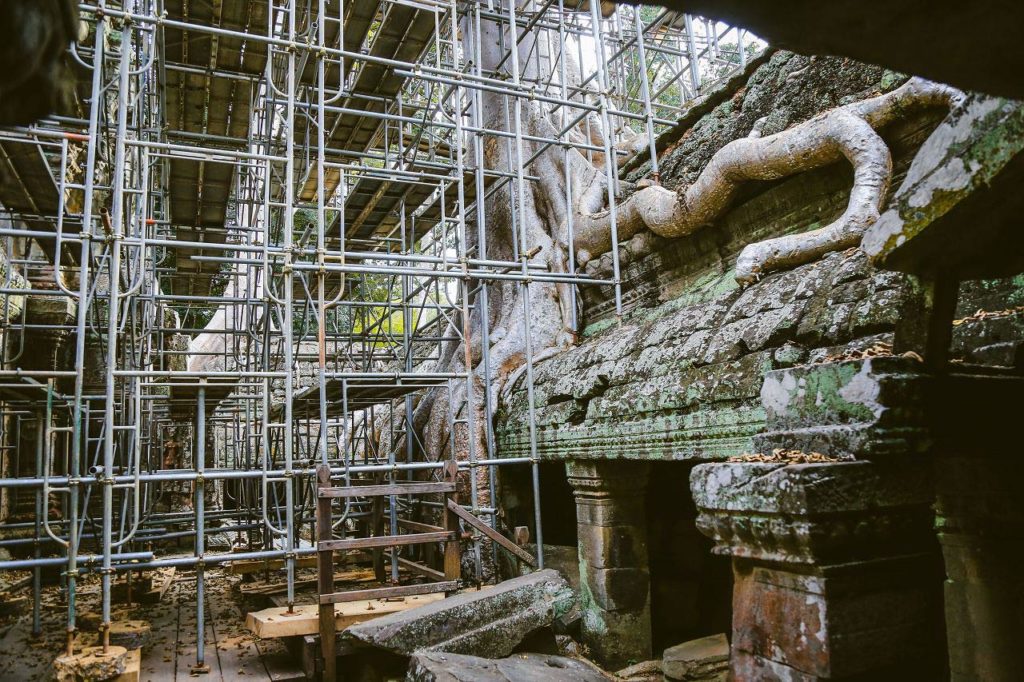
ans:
(813, 513)
(861, 408)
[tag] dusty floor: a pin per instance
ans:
(231, 652)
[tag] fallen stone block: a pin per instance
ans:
(699, 660)
(488, 623)
(436, 666)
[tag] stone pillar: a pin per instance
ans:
(836, 574)
(615, 590)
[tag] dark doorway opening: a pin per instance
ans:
(691, 588)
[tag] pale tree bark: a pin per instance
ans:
(523, 217)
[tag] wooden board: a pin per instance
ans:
(277, 622)
(132, 667)
(231, 652)
(257, 565)
(386, 541)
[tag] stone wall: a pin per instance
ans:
(680, 377)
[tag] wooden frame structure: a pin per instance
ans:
(448, 533)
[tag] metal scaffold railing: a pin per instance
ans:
(272, 237)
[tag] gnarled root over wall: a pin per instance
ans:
(847, 131)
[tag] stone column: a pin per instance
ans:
(615, 590)
(836, 574)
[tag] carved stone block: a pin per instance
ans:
(834, 565)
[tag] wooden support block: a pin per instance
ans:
(521, 535)
(277, 622)
(132, 667)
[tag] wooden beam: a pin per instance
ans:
(257, 565)
(386, 541)
(132, 667)
(502, 541)
(420, 569)
(387, 489)
(388, 592)
(308, 561)
(418, 527)
(277, 622)
(360, 575)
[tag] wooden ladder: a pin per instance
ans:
(326, 545)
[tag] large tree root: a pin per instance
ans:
(847, 131)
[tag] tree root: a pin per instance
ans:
(847, 131)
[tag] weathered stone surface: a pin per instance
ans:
(91, 665)
(945, 218)
(834, 569)
(680, 378)
(647, 390)
(704, 659)
(488, 623)
(446, 667)
(863, 408)
(810, 513)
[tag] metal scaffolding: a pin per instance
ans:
(244, 251)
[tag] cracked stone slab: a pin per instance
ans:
(490, 622)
